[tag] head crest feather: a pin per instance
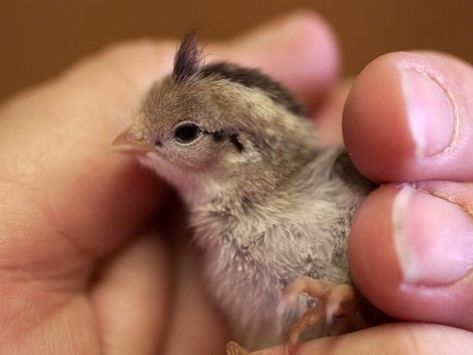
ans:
(187, 59)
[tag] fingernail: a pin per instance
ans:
(430, 112)
(433, 238)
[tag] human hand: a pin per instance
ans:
(83, 268)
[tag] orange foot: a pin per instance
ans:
(235, 349)
(337, 306)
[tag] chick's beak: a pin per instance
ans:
(127, 143)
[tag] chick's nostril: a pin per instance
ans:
(158, 143)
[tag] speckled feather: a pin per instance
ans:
(252, 254)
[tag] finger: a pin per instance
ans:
(124, 311)
(66, 199)
(55, 170)
(392, 339)
(328, 120)
(195, 327)
(131, 297)
(409, 116)
(411, 252)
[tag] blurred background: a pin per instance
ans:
(40, 37)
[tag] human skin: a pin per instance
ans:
(88, 267)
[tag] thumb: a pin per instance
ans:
(411, 252)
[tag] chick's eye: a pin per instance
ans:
(187, 133)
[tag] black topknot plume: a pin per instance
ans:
(187, 59)
(187, 63)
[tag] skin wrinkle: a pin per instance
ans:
(86, 253)
(29, 272)
(28, 279)
(28, 323)
(70, 327)
(79, 279)
(463, 204)
(466, 206)
(411, 343)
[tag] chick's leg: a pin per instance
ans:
(235, 349)
(337, 306)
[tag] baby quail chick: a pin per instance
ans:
(271, 209)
